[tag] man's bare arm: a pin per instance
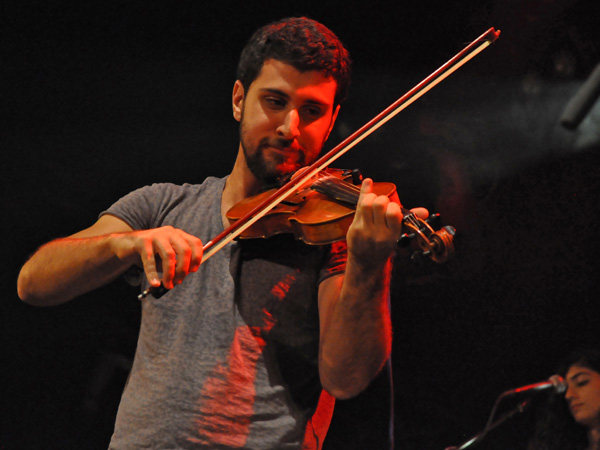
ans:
(356, 332)
(66, 268)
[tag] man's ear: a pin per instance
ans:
(237, 100)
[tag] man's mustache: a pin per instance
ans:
(283, 144)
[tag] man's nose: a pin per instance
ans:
(289, 128)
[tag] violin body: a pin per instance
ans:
(314, 217)
(321, 210)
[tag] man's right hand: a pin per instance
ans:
(175, 251)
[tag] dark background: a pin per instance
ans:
(99, 98)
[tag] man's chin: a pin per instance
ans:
(287, 168)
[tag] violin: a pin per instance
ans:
(437, 245)
(321, 210)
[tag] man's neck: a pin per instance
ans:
(240, 185)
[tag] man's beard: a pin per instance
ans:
(271, 171)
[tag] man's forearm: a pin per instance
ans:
(65, 268)
(357, 340)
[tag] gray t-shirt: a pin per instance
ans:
(227, 359)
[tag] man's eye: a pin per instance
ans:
(313, 112)
(582, 383)
(275, 102)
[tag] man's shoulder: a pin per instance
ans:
(208, 184)
(164, 190)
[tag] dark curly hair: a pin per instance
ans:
(301, 42)
(556, 429)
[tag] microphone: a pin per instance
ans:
(555, 382)
(582, 102)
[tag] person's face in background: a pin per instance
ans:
(583, 395)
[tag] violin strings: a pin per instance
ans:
(332, 185)
(336, 188)
(349, 192)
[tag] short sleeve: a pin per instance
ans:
(335, 260)
(141, 209)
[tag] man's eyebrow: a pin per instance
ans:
(286, 96)
(275, 91)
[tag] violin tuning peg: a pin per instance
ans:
(418, 258)
(433, 220)
(356, 177)
(450, 230)
(405, 239)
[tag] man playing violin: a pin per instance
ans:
(250, 348)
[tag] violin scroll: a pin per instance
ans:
(436, 245)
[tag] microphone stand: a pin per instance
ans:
(479, 437)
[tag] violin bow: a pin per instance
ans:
(245, 222)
